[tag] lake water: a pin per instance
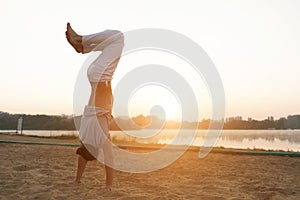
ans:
(287, 140)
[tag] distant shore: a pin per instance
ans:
(66, 122)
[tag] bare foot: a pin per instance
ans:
(105, 189)
(72, 33)
(74, 39)
(76, 182)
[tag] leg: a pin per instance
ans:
(88, 43)
(80, 169)
(98, 41)
(107, 150)
(104, 66)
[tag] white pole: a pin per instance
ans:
(20, 125)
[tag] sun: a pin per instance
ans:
(145, 99)
(171, 107)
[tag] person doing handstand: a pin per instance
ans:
(94, 127)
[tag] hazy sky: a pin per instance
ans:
(255, 46)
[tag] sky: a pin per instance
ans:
(254, 45)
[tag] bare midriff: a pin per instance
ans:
(101, 95)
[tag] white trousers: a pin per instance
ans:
(111, 43)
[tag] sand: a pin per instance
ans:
(44, 172)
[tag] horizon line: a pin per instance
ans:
(226, 118)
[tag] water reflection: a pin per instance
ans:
(292, 136)
(287, 140)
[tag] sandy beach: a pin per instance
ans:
(44, 172)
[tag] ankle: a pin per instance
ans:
(80, 38)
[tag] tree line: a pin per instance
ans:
(64, 122)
